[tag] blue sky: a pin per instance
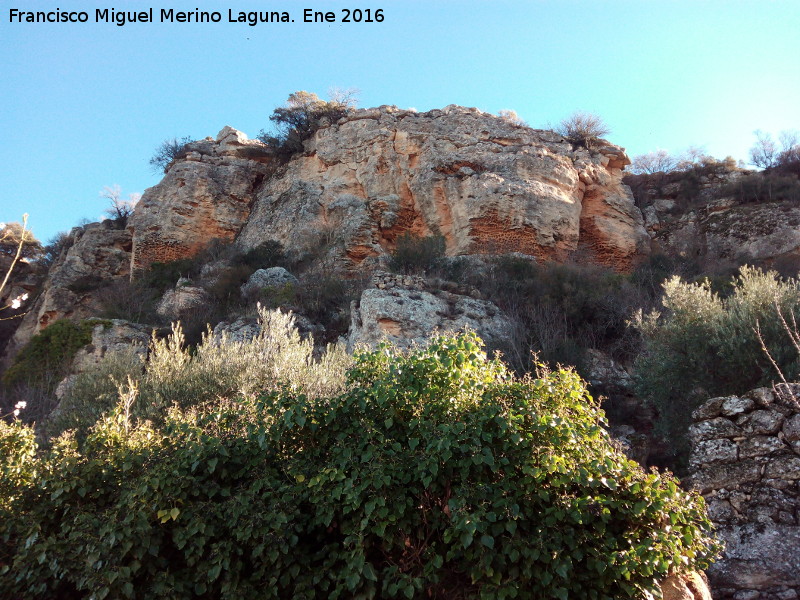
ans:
(85, 105)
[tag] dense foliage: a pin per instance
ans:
(218, 367)
(434, 474)
(703, 345)
(49, 353)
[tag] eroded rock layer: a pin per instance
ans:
(205, 195)
(485, 184)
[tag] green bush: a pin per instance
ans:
(417, 255)
(47, 356)
(435, 474)
(703, 345)
(218, 367)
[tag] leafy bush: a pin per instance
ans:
(702, 345)
(49, 353)
(167, 151)
(435, 474)
(218, 367)
(417, 255)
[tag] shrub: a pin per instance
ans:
(58, 244)
(162, 276)
(583, 129)
(300, 118)
(417, 255)
(512, 117)
(659, 161)
(49, 353)
(266, 254)
(702, 345)
(563, 309)
(435, 474)
(167, 151)
(763, 187)
(218, 367)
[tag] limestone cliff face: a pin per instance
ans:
(97, 253)
(204, 196)
(486, 185)
(688, 214)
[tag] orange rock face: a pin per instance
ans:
(205, 196)
(486, 185)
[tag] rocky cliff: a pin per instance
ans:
(205, 195)
(714, 215)
(485, 184)
(94, 254)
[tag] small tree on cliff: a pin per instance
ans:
(300, 118)
(167, 151)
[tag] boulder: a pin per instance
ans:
(408, 316)
(686, 586)
(177, 302)
(273, 277)
(108, 337)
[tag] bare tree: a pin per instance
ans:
(659, 161)
(764, 152)
(120, 209)
(344, 97)
(789, 139)
(167, 151)
(583, 128)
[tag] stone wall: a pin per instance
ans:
(746, 462)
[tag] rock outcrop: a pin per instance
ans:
(410, 315)
(96, 254)
(688, 586)
(177, 302)
(485, 184)
(108, 337)
(692, 214)
(273, 277)
(205, 195)
(746, 462)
